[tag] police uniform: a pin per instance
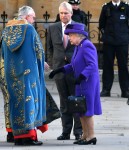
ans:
(114, 26)
(79, 16)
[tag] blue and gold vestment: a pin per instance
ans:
(23, 56)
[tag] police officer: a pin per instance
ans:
(114, 26)
(78, 15)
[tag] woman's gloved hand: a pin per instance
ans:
(56, 71)
(79, 79)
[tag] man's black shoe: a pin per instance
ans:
(125, 94)
(31, 142)
(78, 136)
(105, 93)
(27, 142)
(10, 137)
(64, 137)
(18, 141)
(77, 141)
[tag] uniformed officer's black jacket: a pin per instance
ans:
(114, 24)
(79, 16)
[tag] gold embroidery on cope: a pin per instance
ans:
(38, 48)
(19, 121)
(27, 71)
(32, 112)
(11, 35)
(22, 61)
(33, 85)
(5, 94)
(36, 100)
(17, 88)
(28, 98)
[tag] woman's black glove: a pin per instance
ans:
(79, 79)
(56, 71)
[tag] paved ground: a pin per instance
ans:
(112, 128)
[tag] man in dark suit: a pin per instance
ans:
(59, 55)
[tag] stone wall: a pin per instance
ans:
(41, 6)
(51, 6)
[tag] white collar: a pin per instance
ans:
(118, 3)
(66, 24)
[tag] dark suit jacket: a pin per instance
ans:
(56, 52)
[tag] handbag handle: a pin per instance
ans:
(81, 90)
(80, 83)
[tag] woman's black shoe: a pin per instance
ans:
(10, 137)
(27, 142)
(85, 142)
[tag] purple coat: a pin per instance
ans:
(85, 61)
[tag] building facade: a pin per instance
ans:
(46, 10)
(51, 6)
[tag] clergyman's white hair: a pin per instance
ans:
(25, 10)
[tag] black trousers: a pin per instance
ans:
(121, 54)
(66, 87)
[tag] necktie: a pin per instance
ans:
(65, 39)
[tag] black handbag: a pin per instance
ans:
(76, 104)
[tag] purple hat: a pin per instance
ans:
(76, 28)
(74, 2)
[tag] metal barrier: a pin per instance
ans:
(42, 26)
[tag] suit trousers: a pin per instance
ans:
(121, 54)
(66, 87)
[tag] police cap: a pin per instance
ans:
(74, 2)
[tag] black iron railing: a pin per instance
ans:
(41, 28)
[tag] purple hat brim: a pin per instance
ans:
(67, 31)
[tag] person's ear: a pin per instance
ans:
(26, 17)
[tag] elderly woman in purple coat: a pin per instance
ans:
(84, 64)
